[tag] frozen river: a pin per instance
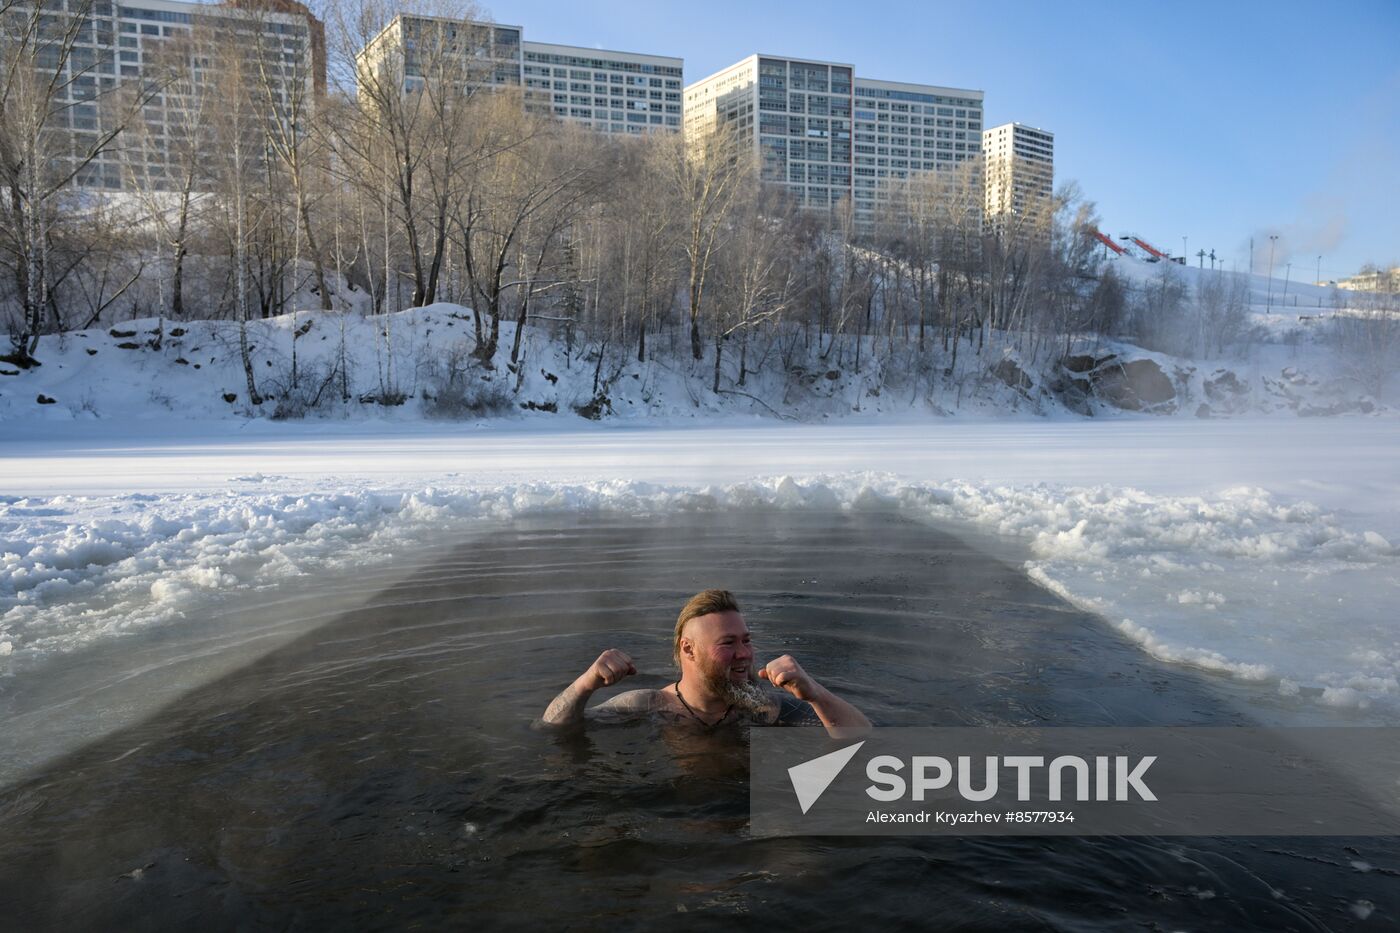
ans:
(1350, 464)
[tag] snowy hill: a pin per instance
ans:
(419, 364)
(1282, 297)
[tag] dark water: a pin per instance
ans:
(381, 773)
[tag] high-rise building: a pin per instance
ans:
(612, 92)
(1019, 174)
(828, 135)
(903, 129)
(411, 50)
(137, 44)
(795, 113)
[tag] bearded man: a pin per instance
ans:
(717, 684)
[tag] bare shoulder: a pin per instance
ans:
(629, 702)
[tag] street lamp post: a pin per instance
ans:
(1269, 302)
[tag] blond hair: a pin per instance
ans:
(702, 603)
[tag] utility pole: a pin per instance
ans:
(1288, 270)
(1201, 255)
(1318, 280)
(1183, 251)
(1251, 255)
(1269, 303)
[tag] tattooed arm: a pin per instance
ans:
(611, 667)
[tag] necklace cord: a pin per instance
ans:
(696, 716)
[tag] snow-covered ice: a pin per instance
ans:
(1262, 550)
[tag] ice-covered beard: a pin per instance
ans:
(744, 696)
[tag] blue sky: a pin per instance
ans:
(1217, 121)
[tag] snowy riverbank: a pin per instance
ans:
(422, 365)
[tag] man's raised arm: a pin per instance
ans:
(842, 720)
(610, 668)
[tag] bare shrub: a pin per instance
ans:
(1367, 345)
(315, 389)
(460, 388)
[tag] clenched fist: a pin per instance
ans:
(785, 672)
(610, 668)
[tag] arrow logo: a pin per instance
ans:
(811, 778)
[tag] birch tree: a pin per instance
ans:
(59, 117)
(708, 175)
(285, 94)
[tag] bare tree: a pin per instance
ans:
(756, 279)
(286, 89)
(1155, 319)
(1221, 311)
(238, 163)
(58, 118)
(166, 158)
(513, 196)
(577, 174)
(649, 231)
(1366, 339)
(415, 77)
(707, 174)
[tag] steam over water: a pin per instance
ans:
(380, 771)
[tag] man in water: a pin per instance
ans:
(716, 685)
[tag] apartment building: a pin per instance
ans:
(411, 50)
(121, 45)
(828, 135)
(904, 129)
(611, 92)
(1371, 279)
(1019, 173)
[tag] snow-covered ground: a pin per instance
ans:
(1279, 295)
(419, 364)
(1261, 549)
